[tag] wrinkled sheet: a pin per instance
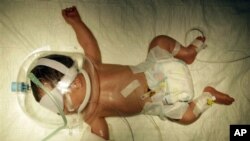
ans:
(124, 29)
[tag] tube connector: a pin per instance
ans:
(19, 87)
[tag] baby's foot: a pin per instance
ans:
(192, 50)
(197, 45)
(221, 98)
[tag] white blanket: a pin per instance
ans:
(124, 29)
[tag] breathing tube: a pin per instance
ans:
(52, 97)
(22, 87)
(38, 83)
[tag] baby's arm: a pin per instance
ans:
(99, 127)
(84, 35)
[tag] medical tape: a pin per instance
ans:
(130, 88)
(202, 103)
(198, 44)
(69, 103)
(176, 49)
(66, 80)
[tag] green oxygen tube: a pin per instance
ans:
(34, 79)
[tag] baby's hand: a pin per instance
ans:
(71, 15)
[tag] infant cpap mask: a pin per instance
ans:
(62, 87)
(52, 101)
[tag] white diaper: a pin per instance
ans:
(171, 81)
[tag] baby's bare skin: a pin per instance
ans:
(108, 100)
(113, 79)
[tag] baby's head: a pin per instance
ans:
(60, 76)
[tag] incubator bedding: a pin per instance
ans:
(31, 29)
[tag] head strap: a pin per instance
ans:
(88, 91)
(62, 86)
(69, 73)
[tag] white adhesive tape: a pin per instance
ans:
(130, 88)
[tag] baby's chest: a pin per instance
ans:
(123, 86)
(125, 101)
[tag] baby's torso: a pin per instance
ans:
(121, 90)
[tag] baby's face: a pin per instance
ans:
(76, 93)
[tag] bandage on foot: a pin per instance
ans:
(203, 102)
(199, 43)
(221, 98)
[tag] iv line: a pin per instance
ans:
(38, 83)
(207, 61)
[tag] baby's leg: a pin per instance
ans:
(199, 105)
(187, 54)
